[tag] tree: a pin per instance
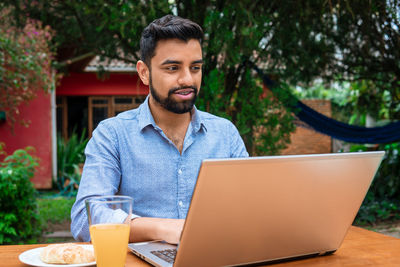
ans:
(25, 64)
(234, 36)
(368, 37)
(84, 29)
(112, 29)
(294, 42)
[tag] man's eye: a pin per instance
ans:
(196, 68)
(171, 68)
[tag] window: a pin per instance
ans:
(103, 107)
(85, 112)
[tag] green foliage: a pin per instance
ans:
(338, 93)
(373, 210)
(388, 184)
(383, 199)
(274, 123)
(25, 63)
(70, 154)
(263, 122)
(372, 99)
(367, 36)
(93, 27)
(234, 37)
(352, 102)
(18, 208)
(234, 34)
(295, 42)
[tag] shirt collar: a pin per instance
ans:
(146, 118)
(197, 121)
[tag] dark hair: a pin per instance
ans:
(167, 27)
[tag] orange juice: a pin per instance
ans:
(110, 242)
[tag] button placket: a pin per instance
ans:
(181, 190)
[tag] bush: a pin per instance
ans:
(70, 154)
(374, 210)
(19, 219)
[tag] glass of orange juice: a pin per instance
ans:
(109, 218)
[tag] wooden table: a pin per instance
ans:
(360, 248)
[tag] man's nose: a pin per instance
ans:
(185, 78)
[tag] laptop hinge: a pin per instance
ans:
(326, 253)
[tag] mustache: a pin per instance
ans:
(173, 90)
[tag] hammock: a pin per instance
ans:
(350, 133)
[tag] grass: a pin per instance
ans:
(55, 215)
(55, 210)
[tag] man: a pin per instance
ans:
(153, 153)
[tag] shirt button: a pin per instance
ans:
(179, 171)
(180, 203)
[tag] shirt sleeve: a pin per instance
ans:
(101, 176)
(238, 149)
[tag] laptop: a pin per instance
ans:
(268, 209)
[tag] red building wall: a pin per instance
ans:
(38, 112)
(89, 84)
(37, 134)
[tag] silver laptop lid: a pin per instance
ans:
(268, 208)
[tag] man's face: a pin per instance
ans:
(175, 74)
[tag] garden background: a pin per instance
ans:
(337, 50)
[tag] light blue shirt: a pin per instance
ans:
(130, 155)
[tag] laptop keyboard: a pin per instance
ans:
(167, 254)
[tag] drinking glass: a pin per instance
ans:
(109, 218)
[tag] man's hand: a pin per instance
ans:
(145, 229)
(170, 230)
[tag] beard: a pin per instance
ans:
(169, 103)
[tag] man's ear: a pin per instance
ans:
(143, 71)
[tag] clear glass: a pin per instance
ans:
(109, 218)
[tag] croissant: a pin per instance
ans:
(68, 253)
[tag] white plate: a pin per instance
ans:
(32, 257)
